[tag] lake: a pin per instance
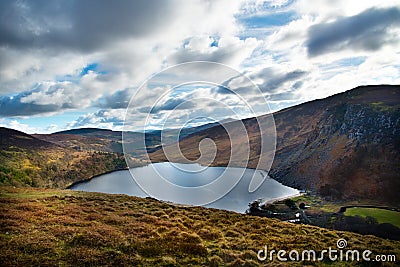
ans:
(191, 184)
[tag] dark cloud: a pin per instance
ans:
(44, 98)
(225, 88)
(369, 30)
(297, 85)
(83, 25)
(172, 104)
(218, 55)
(287, 93)
(12, 107)
(238, 84)
(274, 80)
(290, 95)
(100, 117)
(119, 99)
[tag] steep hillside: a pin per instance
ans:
(68, 228)
(28, 161)
(346, 146)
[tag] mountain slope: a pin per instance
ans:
(58, 159)
(28, 161)
(12, 137)
(346, 146)
(86, 139)
(95, 139)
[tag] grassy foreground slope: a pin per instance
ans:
(49, 227)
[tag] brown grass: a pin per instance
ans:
(49, 227)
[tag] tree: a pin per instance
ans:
(290, 203)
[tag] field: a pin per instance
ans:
(380, 222)
(50, 227)
(382, 215)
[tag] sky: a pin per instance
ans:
(78, 63)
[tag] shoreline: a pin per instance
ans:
(263, 197)
(271, 201)
(94, 176)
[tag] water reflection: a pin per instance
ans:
(189, 175)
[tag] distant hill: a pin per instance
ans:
(26, 160)
(95, 139)
(346, 146)
(88, 131)
(58, 159)
(10, 137)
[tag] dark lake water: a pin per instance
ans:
(191, 184)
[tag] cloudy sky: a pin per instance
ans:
(69, 64)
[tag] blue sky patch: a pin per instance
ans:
(214, 43)
(92, 67)
(270, 20)
(61, 120)
(345, 62)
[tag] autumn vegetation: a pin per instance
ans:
(47, 227)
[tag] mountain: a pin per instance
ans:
(344, 147)
(349, 146)
(10, 137)
(86, 139)
(95, 139)
(91, 131)
(26, 160)
(61, 158)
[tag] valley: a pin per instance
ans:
(345, 147)
(344, 150)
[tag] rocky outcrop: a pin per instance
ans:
(351, 151)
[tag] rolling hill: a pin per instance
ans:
(26, 160)
(95, 139)
(344, 147)
(61, 158)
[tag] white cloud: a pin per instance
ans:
(326, 10)
(44, 48)
(105, 118)
(16, 125)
